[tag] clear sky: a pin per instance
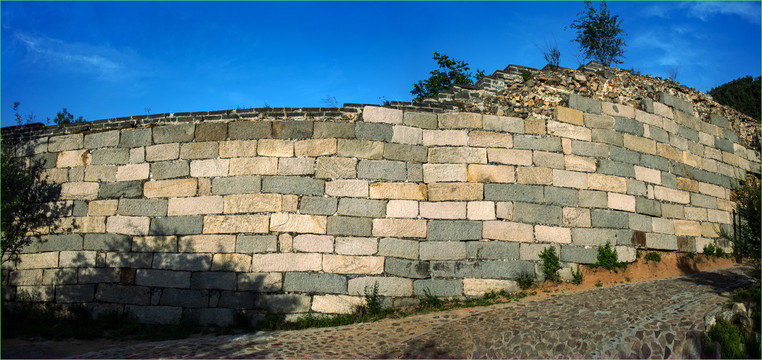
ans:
(111, 59)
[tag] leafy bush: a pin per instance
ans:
(525, 281)
(373, 304)
(729, 337)
(653, 256)
(450, 72)
(576, 276)
(608, 258)
(746, 240)
(709, 249)
(550, 263)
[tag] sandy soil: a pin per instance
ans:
(671, 265)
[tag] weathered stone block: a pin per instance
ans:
(490, 139)
(174, 133)
(315, 147)
(130, 225)
(373, 131)
(480, 210)
(275, 148)
(102, 139)
(400, 248)
(438, 287)
(315, 205)
(458, 155)
(170, 188)
(242, 130)
(170, 169)
(292, 129)
(231, 262)
(153, 243)
(442, 230)
(253, 166)
(534, 175)
(293, 185)
(324, 130)
(569, 131)
(621, 202)
(144, 207)
(362, 207)
(209, 168)
(578, 254)
(533, 125)
(661, 241)
(443, 250)
(537, 214)
(343, 264)
(79, 190)
(256, 243)
(282, 262)
(297, 223)
(570, 116)
(673, 195)
(313, 243)
(73, 158)
(382, 170)
(584, 104)
(422, 120)
(382, 115)
(260, 282)
(509, 231)
(182, 262)
(336, 304)
(213, 280)
(405, 191)
(236, 185)
(460, 120)
(510, 156)
(387, 286)
(351, 226)
(222, 224)
(444, 172)
(443, 210)
(415, 228)
(199, 150)
(455, 191)
(445, 138)
(244, 203)
(552, 234)
(607, 183)
(492, 250)
(405, 152)
(123, 294)
(356, 246)
(503, 124)
(211, 131)
(513, 192)
(206, 243)
(65, 142)
(163, 278)
(361, 149)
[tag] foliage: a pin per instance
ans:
(525, 281)
(599, 34)
(551, 54)
(373, 304)
(742, 94)
(608, 258)
(576, 276)
(720, 252)
(746, 241)
(550, 263)
(430, 301)
(653, 256)
(64, 117)
(526, 75)
(330, 101)
(709, 249)
(731, 339)
(450, 72)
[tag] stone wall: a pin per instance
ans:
(200, 215)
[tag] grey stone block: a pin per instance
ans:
(438, 287)
(123, 294)
(404, 152)
(243, 130)
(59, 276)
(47, 161)
(184, 298)
(704, 201)
(163, 278)
(292, 129)
(382, 170)
(617, 168)
(176, 225)
(285, 303)
(668, 180)
(506, 269)
(110, 156)
(170, 169)
(686, 244)
(636, 187)
(584, 104)
(135, 137)
(142, 207)
(687, 133)
(492, 250)
(561, 196)
(658, 134)
(128, 260)
(456, 269)
(719, 121)
(102, 139)
(213, 280)
(537, 214)
(98, 275)
(424, 120)
(607, 136)
(165, 315)
(346, 225)
(217, 317)
(586, 148)
(61, 242)
(182, 262)
(446, 230)
(362, 207)
(66, 294)
(323, 130)
(412, 269)
(661, 241)
(514, 192)
(238, 299)
(654, 162)
(211, 131)
(247, 184)
(579, 254)
(621, 154)
(314, 283)
(293, 185)
(627, 125)
(400, 248)
(256, 243)
(593, 199)
(80, 208)
(723, 144)
(112, 242)
(712, 178)
(414, 172)
(624, 237)
(647, 206)
(316, 205)
(373, 131)
(174, 133)
(676, 102)
(536, 142)
(609, 219)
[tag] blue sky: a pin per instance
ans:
(111, 59)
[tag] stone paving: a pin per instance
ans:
(651, 319)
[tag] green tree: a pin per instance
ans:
(742, 94)
(64, 117)
(746, 240)
(450, 72)
(599, 34)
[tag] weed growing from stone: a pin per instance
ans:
(608, 258)
(550, 263)
(525, 281)
(373, 305)
(430, 301)
(653, 256)
(709, 249)
(720, 253)
(576, 276)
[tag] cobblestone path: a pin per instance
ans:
(651, 319)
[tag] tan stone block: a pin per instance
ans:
(58, 176)
(510, 156)
(89, 224)
(669, 152)
(232, 224)
(162, 152)
(533, 125)
(199, 150)
(315, 147)
(490, 139)
(566, 146)
(277, 148)
(708, 230)
(725, 205)
(444, 172)
(204, 187)
(576, 217)
(77, 174)
(381, 115)
(253, 166)
(490, 173)
(667, 194)
(170, 188)
(687, 184)
(360, 149)
(336, 168)
(289, 203)
(648, 175)
(718, 216)
(413, 228)
(403, 191)
(154, 244)
(402, 209)
(209, 167)
(285, 242)
(712, 190)
(692, 160)
(694, 213)
(460, 120)
(570, 116)
(296, 166)
(508, 231)
(356, 246)
(130, 225)
(504, 210)
(347, 264)
(559, 129)
(445, 137)
(457, 155)
(534, 175)
(456, 191)
(618, 110)
(73, 158)
(286, 262)
(231, 262)
(552, 234)
(640, 144)
(580, 163)
(206, 243)
(606, 183)
(443, 210)
(407, 135)
(44, 260)
(313, 243)
(102, 173)
(347, 188)
(481, 210)
(79, 190)
(687, 228)
(194, 205)
(479, 287)
(238, 148)
(336, 304)
(621, 202)
(570, 179)
(251, 203)
(102, 207)
(298, 223)
(132, 172)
